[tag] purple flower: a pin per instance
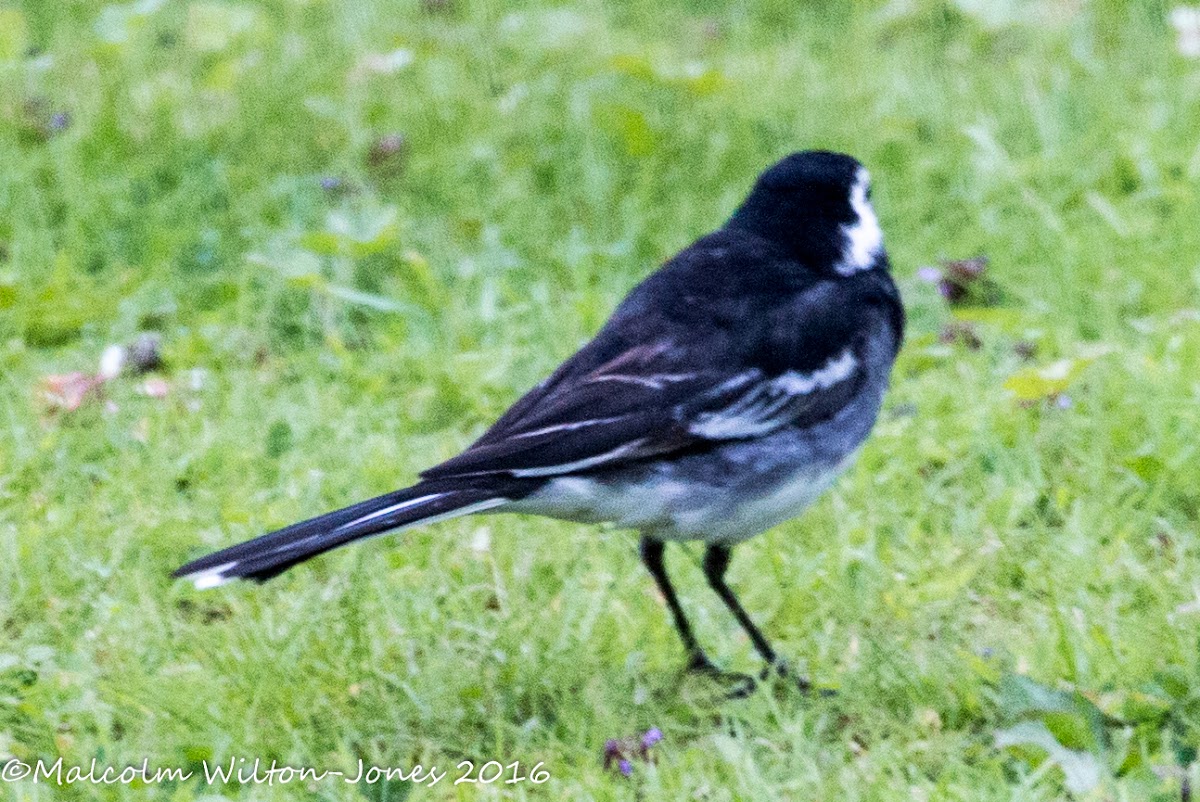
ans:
(957, 279)
(612, 751)
(623, 751)
(930, 275)
(950, 291)
(1064, 402)
(388, 153)
(60, 121)
(652, 736)
(964, 271)
(330, 183)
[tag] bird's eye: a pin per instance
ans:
(868, 192)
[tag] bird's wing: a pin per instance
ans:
(617, 402)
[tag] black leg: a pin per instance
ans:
(716, 560)
(652, 555)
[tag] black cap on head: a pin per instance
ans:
(812, 169)
(814, 204)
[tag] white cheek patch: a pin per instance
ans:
(864, 238)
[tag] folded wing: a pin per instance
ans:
(662, 397)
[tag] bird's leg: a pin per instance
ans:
(716, 561)
(742, 684)
(652, 555)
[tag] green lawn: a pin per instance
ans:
(364, 228)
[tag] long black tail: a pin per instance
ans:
(272, 554)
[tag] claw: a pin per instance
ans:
(782, 670)
(742, 685)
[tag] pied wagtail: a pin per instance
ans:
(725, 394)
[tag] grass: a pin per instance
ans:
(1015, 552)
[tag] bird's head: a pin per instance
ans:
(817, 205)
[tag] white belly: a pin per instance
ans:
(730, 493)
(668, 508)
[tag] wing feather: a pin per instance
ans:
(667, 378)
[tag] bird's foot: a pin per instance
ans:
(739, 685)
(780, 669)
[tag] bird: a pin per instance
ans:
(724, 395)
